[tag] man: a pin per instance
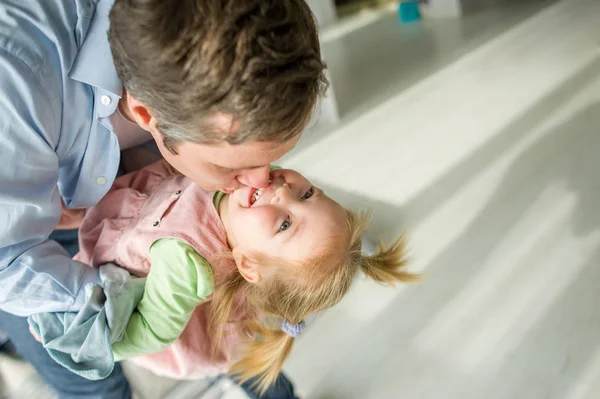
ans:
(224, 88)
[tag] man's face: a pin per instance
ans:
(214, 167)
(226, 167)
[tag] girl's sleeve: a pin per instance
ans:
(178, 281)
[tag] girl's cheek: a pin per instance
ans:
(255, 223)
(252, 222)
(263, 222)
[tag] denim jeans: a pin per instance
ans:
(66, 384)
(281, 389)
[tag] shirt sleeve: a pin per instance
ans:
(36, 274)
(178, 281)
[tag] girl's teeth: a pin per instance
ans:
(256, 195)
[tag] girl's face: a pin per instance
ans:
(289, 219)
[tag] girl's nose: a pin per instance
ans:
(283, 194)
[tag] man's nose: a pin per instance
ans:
(258, 177)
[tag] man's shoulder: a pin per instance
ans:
(39, 43)
(43, 32)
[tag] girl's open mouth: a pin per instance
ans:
(255, 194)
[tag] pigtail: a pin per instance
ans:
(387, 265)
(264, 357)
(266, 349)
(222, 305)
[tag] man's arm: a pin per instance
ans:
(36, 274)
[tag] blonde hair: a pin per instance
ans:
(297, 296)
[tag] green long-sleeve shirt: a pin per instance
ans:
(170, 297)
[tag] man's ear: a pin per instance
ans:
(247, 268)
(139, 113)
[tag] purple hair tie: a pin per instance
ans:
(293, 330)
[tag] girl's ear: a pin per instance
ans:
(247, 268)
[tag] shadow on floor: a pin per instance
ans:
(555, 350)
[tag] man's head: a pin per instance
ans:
(224, 86)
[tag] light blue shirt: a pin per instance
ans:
(58, 86)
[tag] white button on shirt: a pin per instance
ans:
(101, 180)
(105, 100)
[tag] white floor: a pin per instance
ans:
(486, 152)
(371, 57)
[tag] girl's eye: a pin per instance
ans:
(286, 225)
(308, 194)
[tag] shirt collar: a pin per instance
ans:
(94, 64)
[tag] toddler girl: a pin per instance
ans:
(230, 278)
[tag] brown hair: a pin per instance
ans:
(294, 299)
(256, 60)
